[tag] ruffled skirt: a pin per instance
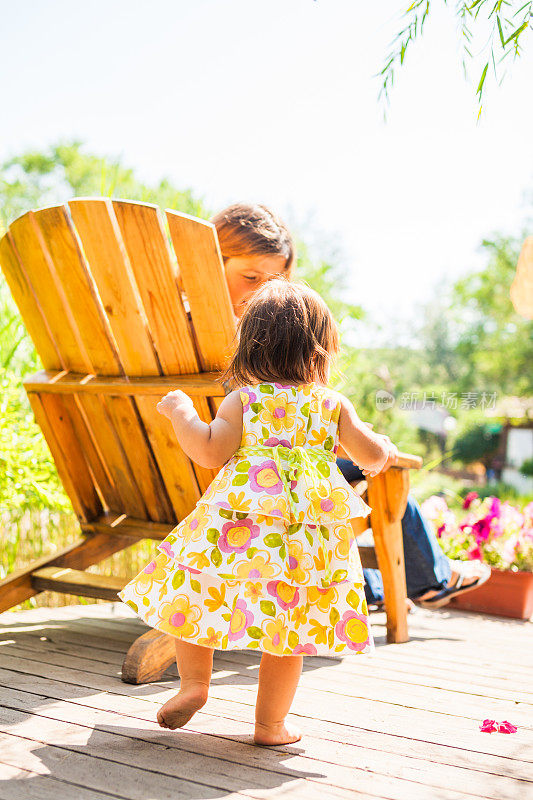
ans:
(231, 579)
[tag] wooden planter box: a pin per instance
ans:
(505, 594)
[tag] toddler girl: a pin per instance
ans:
(267, 560)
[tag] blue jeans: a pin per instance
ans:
(426, 566)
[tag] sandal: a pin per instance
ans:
(464, 570)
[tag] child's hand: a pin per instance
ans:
(174, 401)
(392, 457)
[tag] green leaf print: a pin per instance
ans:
(328, 444)
(266, 388)
(339, 575)
(254, 632)
(240, 515)
(331, 638)
(256, 407)
(324, 469)
(309, 424)
(216, 557)
(294, 528)
(282, 551)
(195, 586)
(295, 497)
(250, 553)
(273, 540)
(231, 558)
(334, 616)
(267, 607)
(227, 513)
(212, 535)
(224, 642)
(352, 598)
(305, 409)
(239, 480)
(292, 639)
(146, 602)
(133, 605)
(242, 466)
(226, 616)
(178, 579)
(265, 433)
(252, 645)
(325, 532)
(309, 537)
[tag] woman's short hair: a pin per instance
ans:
(253, 230)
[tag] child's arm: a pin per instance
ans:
(372, 452)
(209, 445)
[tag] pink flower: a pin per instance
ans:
(481, 529)
(488, 726)
(469, 499)
(507, 727)
(353, 629)
(475, 553)
(304, 650)
(251, 398)
(287, 596)
(434, 506)
(166, 548)
(241, 619)
(236, 535)
(273, 442)
(265, 478)
(495, 506)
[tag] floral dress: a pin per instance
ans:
(267, 560)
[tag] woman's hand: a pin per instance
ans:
(175, 401)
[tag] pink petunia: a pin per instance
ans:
(488, 726)
(475, 553)
(469, 499)
(507, 727)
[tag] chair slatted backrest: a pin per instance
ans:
(99, 286)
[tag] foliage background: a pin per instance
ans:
(468, 338)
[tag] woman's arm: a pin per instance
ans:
(372, 452)
(209, 445)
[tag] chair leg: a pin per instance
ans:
(148, 657)
(387, 495)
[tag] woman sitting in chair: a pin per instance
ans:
(256, 246)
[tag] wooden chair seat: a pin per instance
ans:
(99, 284)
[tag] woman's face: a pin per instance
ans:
(244, 274)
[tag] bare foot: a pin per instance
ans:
(278, 733)
(177, 711)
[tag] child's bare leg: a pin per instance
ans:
(195, 665)
(278, 681)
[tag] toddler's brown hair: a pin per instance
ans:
(287, 334)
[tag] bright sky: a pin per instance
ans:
(275, 101)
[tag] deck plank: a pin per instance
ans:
(401, 726)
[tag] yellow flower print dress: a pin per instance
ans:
(267, 560)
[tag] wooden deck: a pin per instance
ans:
(403, 724)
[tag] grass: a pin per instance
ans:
(33, 534)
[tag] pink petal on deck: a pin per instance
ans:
(507, 727)
(488, 726)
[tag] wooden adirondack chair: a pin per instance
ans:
(100, 290)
